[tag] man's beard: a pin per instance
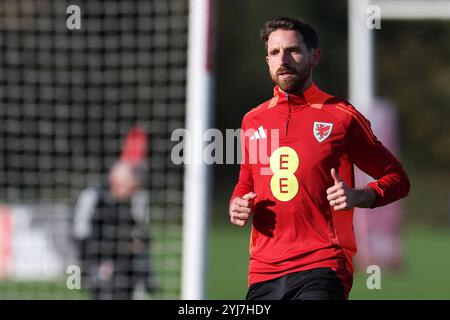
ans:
(296, 82)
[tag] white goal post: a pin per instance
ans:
(197, 177)
(361, 15)
(361, 91)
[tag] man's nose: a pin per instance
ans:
(284, 58)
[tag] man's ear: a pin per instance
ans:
(316, 56)
(267, 60)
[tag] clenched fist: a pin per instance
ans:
(241, 209)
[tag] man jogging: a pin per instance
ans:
(302, 240)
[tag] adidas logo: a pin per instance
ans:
(259, 134)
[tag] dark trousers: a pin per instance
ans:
(314, 284)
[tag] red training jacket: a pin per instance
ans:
(294, 228)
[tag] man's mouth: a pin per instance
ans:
(286, 73)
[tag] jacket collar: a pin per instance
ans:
(309, 96)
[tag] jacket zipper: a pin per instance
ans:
(289, 115)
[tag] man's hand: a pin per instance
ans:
(241, 208)
(342, 197)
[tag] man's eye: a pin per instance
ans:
(273, 53)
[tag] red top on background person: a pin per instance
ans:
(125, 176)
(302, 240)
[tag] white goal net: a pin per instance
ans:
(68, 98)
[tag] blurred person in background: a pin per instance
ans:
(302, 240)
(111, 226)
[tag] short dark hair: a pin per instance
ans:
(310, 36)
